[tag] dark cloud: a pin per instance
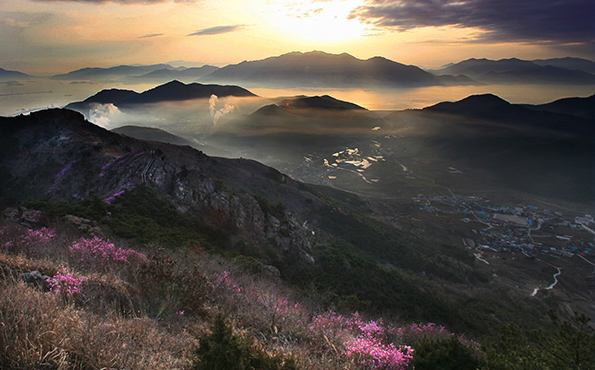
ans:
(217, 30)
(550, 21)
(150, 35)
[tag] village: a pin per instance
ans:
(523, 228)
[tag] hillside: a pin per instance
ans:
(184, 214)
(181, 210)
(539, 152)
(579, 107)
(9, 75)
(236, 206)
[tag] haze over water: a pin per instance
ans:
(37, 94)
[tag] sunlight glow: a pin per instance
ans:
(313, 20)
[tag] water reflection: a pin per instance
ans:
(415, 98)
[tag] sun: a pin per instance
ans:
(319, 21)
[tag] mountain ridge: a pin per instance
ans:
(517, 71)
(318, 68)
(171, 91)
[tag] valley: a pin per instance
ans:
(470, 214)
(502, 182)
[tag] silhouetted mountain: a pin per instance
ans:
(459, 80)
(151, 134)
(539, 152)
(492, 107)
(171, 91)
(176, 91)
(317, 68)
(475, 105)
(321, 102)
(7, 75)
(540, 75)
(577, 64)
(110, 96)
(476, 68)
(162, 136)
(516, 71)
(579, 107)
(111, 73)
(188, 74)
(281, 134)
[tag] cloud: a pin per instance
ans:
(553, 22)
(150, 35)
(23, 19)
(118, 1)
(217, 30)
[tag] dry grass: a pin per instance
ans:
(146, 314)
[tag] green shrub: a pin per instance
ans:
(224, 350)
(445, 354)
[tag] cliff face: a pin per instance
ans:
(58, 155)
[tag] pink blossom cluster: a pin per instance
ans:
(363, 341)
(226, 282)
(64, 283)
(36, 237)
(102, 252)
(371, 353)
(29, 241)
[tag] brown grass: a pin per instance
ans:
(142, 315)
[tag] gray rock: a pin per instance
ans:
(35, 278)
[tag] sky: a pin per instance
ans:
(56, 36)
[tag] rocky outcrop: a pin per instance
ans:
(23, 216)
(64, 157)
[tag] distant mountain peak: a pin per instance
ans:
(473, 105)
(321, 69)
(319, 102)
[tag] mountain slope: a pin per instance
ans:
(59, 155)
(171, 91)
(538, 152)
(151, 134)
(252, 210)
(578, 64)
(188, 74)
(322, 102)
(516, 71)
(177, 91)
(321, 69)
(579, 107)
(7, 75)
(97, 73)
(156, 134)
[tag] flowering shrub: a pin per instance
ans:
(32, 242)
(64, 283)
(362, 341)
(225, 282)
(100, 253)
(371, 353)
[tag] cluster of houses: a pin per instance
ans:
(522, 228)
